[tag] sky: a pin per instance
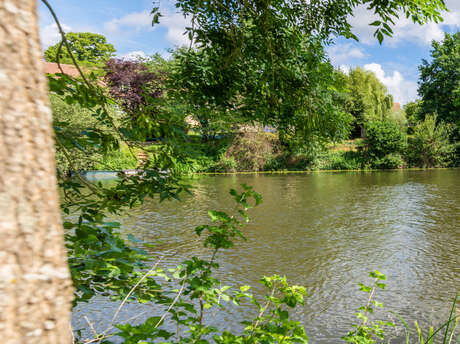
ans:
(127, 25)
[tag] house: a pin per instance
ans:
(53, 68)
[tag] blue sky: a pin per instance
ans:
(127, 25)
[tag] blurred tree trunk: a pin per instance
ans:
(35, 284)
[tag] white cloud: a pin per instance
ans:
(344, 53)
(136, 20)
(174, 23)
(405, 29)
(135, 55)
(345, 69)
(50, 35)
(403, 91)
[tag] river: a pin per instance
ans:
(325, 231)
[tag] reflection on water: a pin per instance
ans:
(324, 231)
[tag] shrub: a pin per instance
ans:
(430, 146)
(384, 137)
(389, 161)
(385, 142)
(225, 164)
(339, 160)
(251, 151)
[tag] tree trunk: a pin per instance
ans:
(35, 285)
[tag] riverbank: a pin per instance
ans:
(259, 152)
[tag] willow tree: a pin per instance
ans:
(368, 99)
(35, 285)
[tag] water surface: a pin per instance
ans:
(325, 231)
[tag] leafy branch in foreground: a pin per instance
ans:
(367, 332)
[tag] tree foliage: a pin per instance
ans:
(430, 146)
(439, 84)
(88, 47)
(413, 113)
(385, 143)
(368, 99)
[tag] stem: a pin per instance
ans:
(263, 309)
(134, 288)
(201, 309)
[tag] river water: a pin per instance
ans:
(325, 231)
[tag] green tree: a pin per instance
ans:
(430, 146)
(413, 114)
(439, 84)
(368, 99)
(385, 143)
(85, 46)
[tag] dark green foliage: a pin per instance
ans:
(385, 142)
(413, 115)
(86, 47)
(70, 121)
(389, 161)
(439, 84)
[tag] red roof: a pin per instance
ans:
(52, 68)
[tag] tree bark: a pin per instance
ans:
(35, 284)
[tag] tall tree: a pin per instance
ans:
(439, 84)
(85, 46)
(368, 99)
(35, 285)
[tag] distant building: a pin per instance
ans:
(53, 68)
(396, 107)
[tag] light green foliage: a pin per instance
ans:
(439, 84)
(116, 160)
(70, 121)
(369, 331)
(339, 160)
(385, 143)
(430, 146)
(86, 47)
(367, 99)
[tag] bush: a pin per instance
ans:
(430, 146)
(339, 160)
(225, 164)
(385, 142)
(383, 138)
(389, 161)
(252, 151)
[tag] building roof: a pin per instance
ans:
(52, 68)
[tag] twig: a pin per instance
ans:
(172, 304)
(91, 326)
(134, 288)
